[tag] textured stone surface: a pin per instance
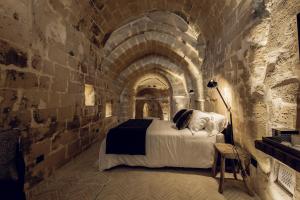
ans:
(249, 46)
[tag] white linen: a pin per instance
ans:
(166, 147)
(198, 121)
(220, 121)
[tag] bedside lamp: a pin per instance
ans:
(229, 137)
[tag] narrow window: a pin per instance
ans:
(89, 93)
(108, 108)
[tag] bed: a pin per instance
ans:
(165, 146)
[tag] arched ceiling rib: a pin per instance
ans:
(204, 15)
(156, 63)
(132, 30)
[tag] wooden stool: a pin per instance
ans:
(227, 151)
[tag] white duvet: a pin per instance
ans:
(167, 147)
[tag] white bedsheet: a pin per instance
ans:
(166, 147)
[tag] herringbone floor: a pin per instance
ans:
(80, 180)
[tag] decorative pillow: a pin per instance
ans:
(220, 121)
(184, 120)
(198, 121)
(178, 115)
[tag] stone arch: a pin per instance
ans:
(156, 44)
(128, 93)
(181, 81)
(150, 24)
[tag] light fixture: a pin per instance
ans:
(229, 137)
(191, 92)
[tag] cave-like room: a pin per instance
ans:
(149, 99)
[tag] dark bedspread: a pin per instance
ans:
(128, 138)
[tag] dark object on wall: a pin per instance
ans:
(298, 24)
(178, 115)
(39, 159)
(253, 162)
(285, 154)
(229, 130)
(283, 131)
(12, 166)
(184, 120)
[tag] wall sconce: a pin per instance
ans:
(191, 92)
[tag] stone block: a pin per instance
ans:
(63, 138)
(15, 9)
(77, 88)
(56, 54)
(37, 62)
(54, 100)
(15, 79)
(65, 113)
(39, 148)
(44, 82)
(74, 148)
(85, 131)
(8, 98)
(48, 68)
(77, 77)
(74, 123)
(8, 31)
(60, 81)
(44, 116)
(85, 141)
(57, 158)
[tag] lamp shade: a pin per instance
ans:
(212, 84)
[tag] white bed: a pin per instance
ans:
(167, 147)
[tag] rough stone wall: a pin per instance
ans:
(256, 63)
(46, 57)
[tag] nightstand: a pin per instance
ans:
(228, 151)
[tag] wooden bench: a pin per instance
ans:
(228, 151)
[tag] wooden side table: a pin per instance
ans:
(227, 151)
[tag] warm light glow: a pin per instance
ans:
(108, 109)
(89, 93)
(227, 95)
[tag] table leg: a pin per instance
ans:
(214, 168)
(222, 174)
(234, 169)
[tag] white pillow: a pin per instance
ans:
(211, 128)
(220, 121)
(198, 121)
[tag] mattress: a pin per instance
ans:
(167, 147)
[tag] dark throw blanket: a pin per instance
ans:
(128, 138)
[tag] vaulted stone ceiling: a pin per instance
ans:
(131, 32)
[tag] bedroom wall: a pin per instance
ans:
(47, 54)
(256, 63)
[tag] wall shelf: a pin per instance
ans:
(286, 155)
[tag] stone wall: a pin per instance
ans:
(256, 63)
(46, 57)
